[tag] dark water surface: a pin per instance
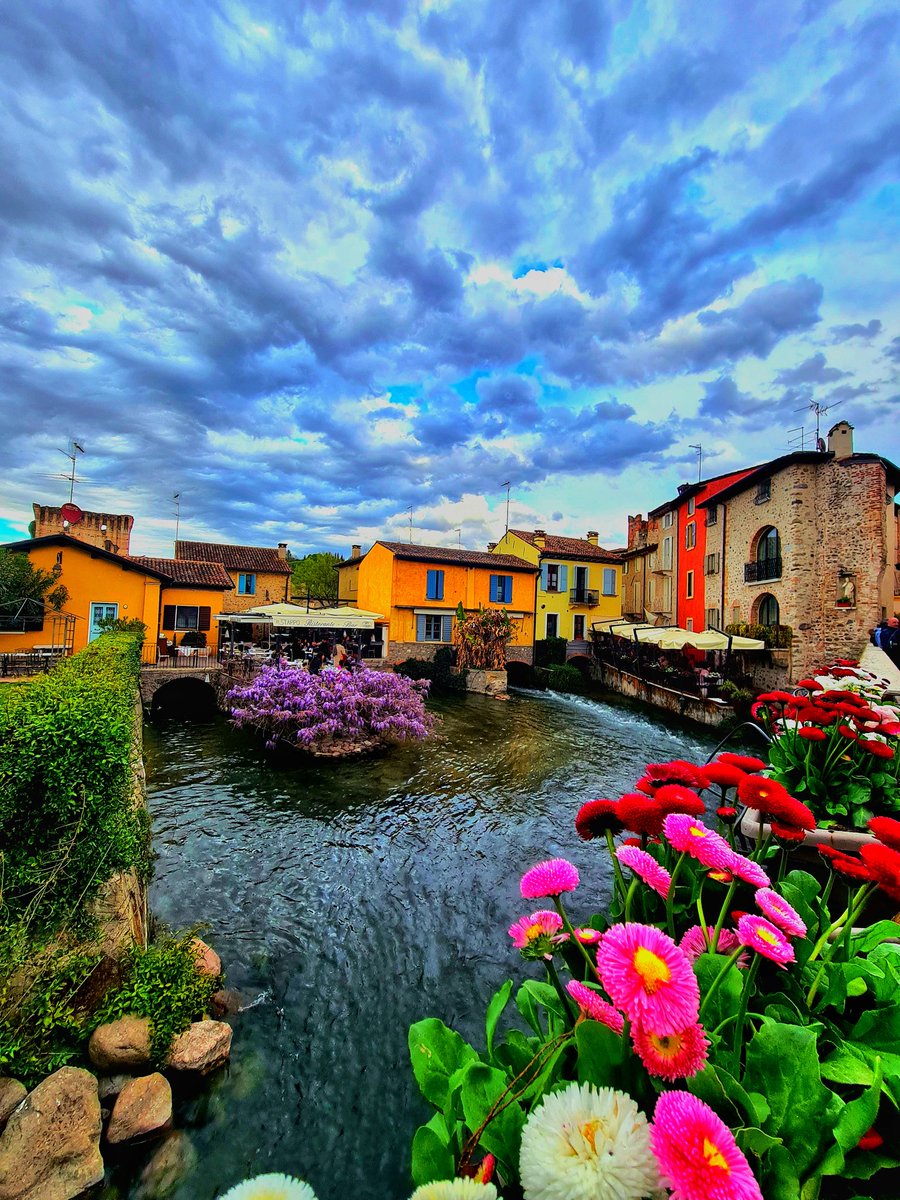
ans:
(351, 899)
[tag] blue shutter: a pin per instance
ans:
(430, 585)
(420, 629)
(543, 577)
(440, 585)
(507, 589)
(563, 578)
(447, 629)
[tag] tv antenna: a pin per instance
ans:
(72, 455)
(507, 485)
(458, 533)
(820, 410)
(176, 501)
(410, 511)
(699, 450)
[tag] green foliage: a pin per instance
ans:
(123, 625)
(438, 670)
(315, 577)
(21, 581)
(549, 651)
(193, 637)
(563, 678)
(776, 637)
(163, 984)
(66, 818)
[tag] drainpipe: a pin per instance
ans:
(722, 567)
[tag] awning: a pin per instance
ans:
(292, 616)
(676, 638)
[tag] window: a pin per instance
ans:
(653, 561)
(554, 577)
(712, 618)
(552, 625)
(768, 611)
(668, 520)
(690, 535)
(185, 616)
(689, 585)
(501, 589)
(434, 588)
(763, 491)
(712, 563)
(650, 591)
(246, 587)
(667, 594)
(609, 581)
(667, 554)
(433, 629)
(625, 566)
(578, 628)
(691, 506)
(689, 626)
(712, 515)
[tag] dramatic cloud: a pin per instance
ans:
(314, 265)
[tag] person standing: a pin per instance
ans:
(890, 640)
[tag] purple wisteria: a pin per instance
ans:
(355, 709)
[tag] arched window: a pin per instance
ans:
(768, 554)
(768, 613)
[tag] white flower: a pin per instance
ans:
(585, 1143)
(455, 1189)
(270, 1187)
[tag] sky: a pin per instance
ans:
(340, 271)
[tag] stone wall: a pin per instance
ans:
(400, 651)
(692, 708)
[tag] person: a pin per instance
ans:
(878, 632)
(338, 656)
(890, 640)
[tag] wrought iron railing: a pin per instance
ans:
(584, 596)
(762, 570)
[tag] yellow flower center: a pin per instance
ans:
(714, 1156)
(589, 1133)
(532, 932)
(652, 969)
(767, 936)
(668, 1046)
(698, 831)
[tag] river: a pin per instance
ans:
(348, 900)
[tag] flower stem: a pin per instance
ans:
(749, 980)
(702, 917)
(617, 870)
(670, 899)
(553, 976)
(714, 986)
(723, 911)
(567, 926)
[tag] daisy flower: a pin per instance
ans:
(675, 798)
(641, 814)
(645, 867)
(697, 1154)
(725, 775)
(692, 837)
(455, 1189)
(648, 977)
(586, 935)
(765, 938)
(533, 935)
(887, 830)
(596, 817)
(587, 1143)
(884, 866)
(777, 909)
(745, 762)
(270, 1187)
(595, 1006)
(550, 878)
(748, 870)
(693, 943)
(846, 864)
(673, 1056)
(676, 771)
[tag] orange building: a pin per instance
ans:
(418, 589)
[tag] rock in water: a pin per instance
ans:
(203, 1047)
(144, 1106)
(208, 962)
(50, 1150)
(174, 1158)
(12, 1093)
(121, 1044)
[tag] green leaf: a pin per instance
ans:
(601, 1054)
(431, 1156)
(726, 999)
(881, 931)
(436, 1053)
(778, 1176)
(754, 1141)
(495, 1008)
(727, 1097)
(484, 1090)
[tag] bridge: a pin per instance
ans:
(204, 684)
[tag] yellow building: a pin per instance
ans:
(579, 583)
(418, 589)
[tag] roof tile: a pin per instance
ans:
(235, 558)
(187, 571)
(558, 546)
(450, 554)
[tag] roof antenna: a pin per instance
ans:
(410, 511)
(458, 533)
(699, 450)
(176, 500)
(507, 485)
(72, 454)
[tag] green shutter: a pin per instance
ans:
(543, 577)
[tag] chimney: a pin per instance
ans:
(356, 551)
(491, 546)
(840, 439)
(282, 549)
(540, 537)
(592, 536)
(637, 531)
(682, 488)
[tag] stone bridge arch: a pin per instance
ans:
(202, 686)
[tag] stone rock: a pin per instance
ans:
(50, 1149)
(109, 1086)
(122, 1043)
(12, 1093)
(208, 962)
(174, 1158)
(203, 1047)
(144, 1106)
(226, 1002)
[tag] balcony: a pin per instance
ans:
(762, 571)
(584, 596)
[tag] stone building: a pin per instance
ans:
(106, 531)
(259, 574)
(809, 540)
(636, 569)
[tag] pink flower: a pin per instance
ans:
(646, 867)
(696, 1151)
(705, 845)
(550, 878)
(777, 909)
(587, 936)
(765, 938)
(749, 871)
(673, 1056)
(648, 977)
(595, 1006)
(527, 930)
(694, 943)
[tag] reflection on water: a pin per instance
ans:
(348, 900)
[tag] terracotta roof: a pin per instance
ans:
(235, 558)
(465, 558)
(187, 571)
(556, 546)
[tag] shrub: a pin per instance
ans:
(194, 637)
(549, 651)
(564, 678)
(776, 637)
(439, 671)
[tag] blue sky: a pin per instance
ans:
(313, 264)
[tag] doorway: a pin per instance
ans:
(101, 612)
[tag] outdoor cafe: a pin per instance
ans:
(291, 632)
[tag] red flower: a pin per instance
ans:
(847, 732)
(889, 728)
(884, 865)
(646, 785)
(724, 774)
(846, 662)
(640, 814)
(846, 864)
(726, 813)
(879, 749)
(673, 798)
(871, 1140)
(812, 734)
(887, 830)
(787, 833)
(746, 762)
(676, 771)
(810, 684)
(596, 817)
(760, 793)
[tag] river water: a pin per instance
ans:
(348, 900)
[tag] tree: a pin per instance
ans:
(314, 577)
(25, 590)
